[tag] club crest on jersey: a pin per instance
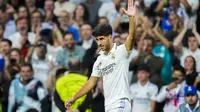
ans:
(113, 55)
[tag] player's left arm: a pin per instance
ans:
(131, 12)
(153, 105)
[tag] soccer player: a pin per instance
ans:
(112, 65)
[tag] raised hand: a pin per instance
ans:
(132, 9)
(194, 28)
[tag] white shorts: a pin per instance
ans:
(122, 105)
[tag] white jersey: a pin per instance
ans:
(142, 96)
(114, 70)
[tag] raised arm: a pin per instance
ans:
(196, 34)
(179, 38)
(131, 12)
(160, 36)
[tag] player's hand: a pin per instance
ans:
(132, 9)
(69, 103)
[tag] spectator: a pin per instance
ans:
(63, 20)
(67, 86)
(36, 20)
(6, 46)
(70, 51)
(93, 8)
(103, 20)
(63, 5)
(192, 100)
(23, 12)
(15, 60)
(41, 64)
(49, 15)
(117, 40)
(146, 56)
(25, 92)
(31, 5)
(22, 39)
(143, 93)
(193, 40)
(53, 40)
(5, 19)
(80, 16)
(90, 45)
(110, 10)
(173, 94)
(190, 67)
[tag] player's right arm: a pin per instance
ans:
(85, 89)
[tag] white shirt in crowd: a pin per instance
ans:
(187, 52)
(87, 44)
(16, 39)
(66, 6)
(114, 70)
(142, 96)
(52, 52)
(108, 10)
(173, 98)
(41, 68)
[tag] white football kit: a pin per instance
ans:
(114, 70)
(142, 96)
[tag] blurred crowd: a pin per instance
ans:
(47, 52)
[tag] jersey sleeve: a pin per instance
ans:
(154, 93)
(96, 71)
(123, 51)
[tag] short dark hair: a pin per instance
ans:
(60, 72)
(68, 33)
(102, 30)
(7, 41)
(27, 65)
(189, 34)
(21, 18)
(150, 38)
(180, 68)
(86, 23)
(32, 110)
(74, 67)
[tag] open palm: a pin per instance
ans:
(132, 9)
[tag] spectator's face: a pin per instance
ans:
(147, 46)
(174, 3)
(117, 40)
(41, 51)
(189, 63)
(5, 47)
(1, 31)
(191, 99)
(103, 42)
(15, 55)
(26, 73)
(80, 11)
(86, 32)
(142, 75)
(173, 19)
(177, 76)
(4, 17)
(36, 18)
(192, 43)
(30, 2)
(103, 21)
(48, 5)
(69, 41)
(23, 12)
(63, 18)
(123, 37)
(22, 25)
